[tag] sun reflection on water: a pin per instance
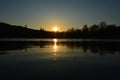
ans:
(55, 40)
(55, 44)
(55, 47)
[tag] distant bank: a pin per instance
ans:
(100, 31)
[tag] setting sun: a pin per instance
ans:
(55, 29)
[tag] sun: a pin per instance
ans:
(55, 29)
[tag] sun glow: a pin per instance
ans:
(55, 29)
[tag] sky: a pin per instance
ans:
(62, 13)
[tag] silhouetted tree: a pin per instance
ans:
(85, 28)
(71, 30)
(94, 28)
(102, 25)
(26, 26)
(41, 29)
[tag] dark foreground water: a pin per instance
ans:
(48, 59)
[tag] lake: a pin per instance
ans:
(42, 59)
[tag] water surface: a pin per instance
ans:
(35, 59)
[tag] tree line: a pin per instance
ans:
(101, 31)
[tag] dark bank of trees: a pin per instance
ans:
(13, 31)
(101, 31)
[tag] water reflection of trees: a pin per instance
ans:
(21, 45)
(12, 45)
(94, 47)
